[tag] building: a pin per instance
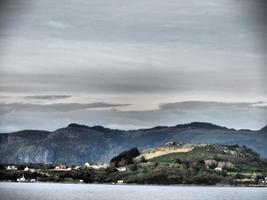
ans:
(26, 169)
(105, 165)
(77, 167)
(87, 164)
(60, 167)
(120, 182)
(21, 179)
(122, 169)
(96, 166)
(11, 168)
(218, 169)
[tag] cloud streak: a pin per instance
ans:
(56, 107)
(57, 24)
(49, 117)
(48, 97)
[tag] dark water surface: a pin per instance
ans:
(54, 191)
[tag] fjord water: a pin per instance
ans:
(53, 191)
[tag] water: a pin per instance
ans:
(53, 191)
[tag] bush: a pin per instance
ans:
(133, 167)
(143, 160)
(177, 160)
(207, 179)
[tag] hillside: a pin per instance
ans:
(231, 157)
(168, 148)
(78, 143)
(178, 163)
(169, 163)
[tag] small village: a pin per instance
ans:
(98, 166)
(62, 168)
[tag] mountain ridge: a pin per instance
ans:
(194, 124)
(77, 143)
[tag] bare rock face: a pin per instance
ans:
(219, 164)
(33, 154)
(77, 144)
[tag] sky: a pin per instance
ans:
(132, 64)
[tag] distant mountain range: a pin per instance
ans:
(76, 144)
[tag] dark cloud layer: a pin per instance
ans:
(124, 47)
(137, 54)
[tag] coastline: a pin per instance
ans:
(136, 184)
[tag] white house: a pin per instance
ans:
(77, 167)
(11, 167)
(218, 169)
(96, 166)
(22, 179)
(105, 165)
(69, 169)
(87, 164)
(122, 169)
(120, 182)
(60, 167)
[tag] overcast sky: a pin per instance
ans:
(132, 63)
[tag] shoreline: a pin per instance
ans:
(135, 184)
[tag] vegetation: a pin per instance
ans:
(125, 157)
(204, 165)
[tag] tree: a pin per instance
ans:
(143, 160)
(125, 158)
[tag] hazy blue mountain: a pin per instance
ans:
(78, 143)
(264, 129)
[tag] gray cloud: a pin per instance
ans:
(48, 97)
(209, 105)
(134, 47)
(57, 107)
(133, 50)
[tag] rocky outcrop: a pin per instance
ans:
(219, 164)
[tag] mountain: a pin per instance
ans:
(264, 130)
(77, 144)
